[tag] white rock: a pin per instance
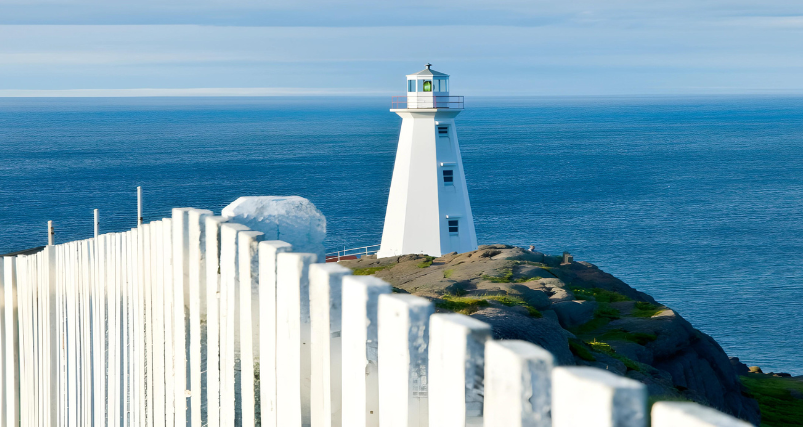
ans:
(292, 219)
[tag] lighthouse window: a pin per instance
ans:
(427, 86)
(410, 85)
(453, 226)
(440, 85)
(448, 177)
(443, 130)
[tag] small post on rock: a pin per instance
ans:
(139, 206)
(50, 233)
(96, 223)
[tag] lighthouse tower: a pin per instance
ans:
(428, 208)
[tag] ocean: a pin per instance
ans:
(697, 201)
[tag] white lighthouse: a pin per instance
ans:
(428, 208)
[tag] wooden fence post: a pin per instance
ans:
(211, 304)
(229, 282)
(268, 251)
(248, 308)
(293, 339)
(609, 400)
(196, 286)
(517, 384)
(360, 341)
(325, 296)
(403, 348)
(456, 369)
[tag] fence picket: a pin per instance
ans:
(213, 280)
(292, 339)
(197, 287)
(268, 252)
(456, 369)
(248, 264)
(403, 348)
(360, 340)
(325, 295)
(229, 282)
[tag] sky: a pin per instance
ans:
(365, 47)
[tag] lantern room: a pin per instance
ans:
(426, 88)
(428, 82)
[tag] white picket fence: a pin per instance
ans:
(193, 320)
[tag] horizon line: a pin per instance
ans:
(269, 92)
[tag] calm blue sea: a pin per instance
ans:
(697, 201)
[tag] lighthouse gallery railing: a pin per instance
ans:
(410, 102)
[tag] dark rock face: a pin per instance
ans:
(739, 367)
(574, 313)
(510, 324)
(535, 297)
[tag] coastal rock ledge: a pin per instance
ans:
(578, 312)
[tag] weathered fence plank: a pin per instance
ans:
(229, 282)
(608, 400)
(212, 225)
(325, 347)
(360, 341)
(247, 298)
(293, 339)
(517, 384)
(403, 349)
(268, 251)
(196, 229)
(456, 369)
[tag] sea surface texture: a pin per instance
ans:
(696, 201)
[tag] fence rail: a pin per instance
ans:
(352, 253)
(193, 320)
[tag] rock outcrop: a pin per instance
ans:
(580, 313)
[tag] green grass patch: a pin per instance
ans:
(597, 294)
(579, 349)
(607, 312)
(645, 309)
(510, 301)
(622, 335)
(602, 316)
(426, 263)
(605, 348)
(779, 408)
(367, 271)
(533, 312)
(507, 277)
(590, 326)
(468, 305)
(448, 273)
(601, 347)
(462, 305)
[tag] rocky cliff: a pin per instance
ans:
(581, 314)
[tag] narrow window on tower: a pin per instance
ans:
(410, 85)
(443, 130)
(453, 226)
(448, 177)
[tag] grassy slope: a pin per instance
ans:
(779, 408)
